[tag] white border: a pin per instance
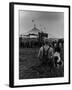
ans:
(16, 46)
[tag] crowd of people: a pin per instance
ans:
(51, 55)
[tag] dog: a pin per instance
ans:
(57, 60)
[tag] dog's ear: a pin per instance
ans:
(55, 58)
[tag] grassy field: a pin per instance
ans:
(30, 66)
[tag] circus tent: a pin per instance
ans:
(33, 33)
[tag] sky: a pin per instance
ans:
(49, 22)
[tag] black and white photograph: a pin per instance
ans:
(41, 44)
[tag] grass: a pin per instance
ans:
(30, 66)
